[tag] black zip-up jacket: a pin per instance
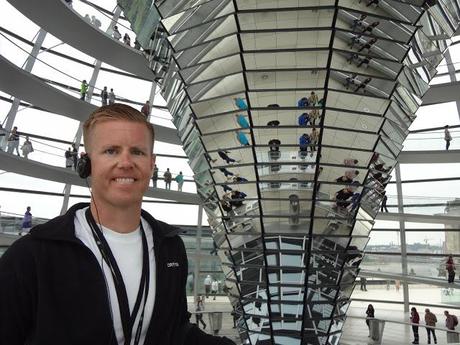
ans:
(53, 292)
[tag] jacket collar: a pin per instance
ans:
(62, 228)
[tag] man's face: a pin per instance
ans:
(121, 162)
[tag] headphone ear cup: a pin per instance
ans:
(84, 167)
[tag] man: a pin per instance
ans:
(104, 96)
(74, 156)
(447, 137)
(68, 158)
(83, 90)
(167, 176)
(146, 109)
(207, 285)
(451, 322)
(180, 181)
(214, 288)
(26, 221)
(13, 141)
(107, 272)
(111, 97)
(155, 176)
(363, 286)
(430, 321)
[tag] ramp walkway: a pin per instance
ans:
(409, 279)
(24, 85)
(19, 165)
(418, 218)
(65, 23)
(442, 93)
(432, 156)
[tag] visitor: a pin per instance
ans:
(370, 314)
(450, 268)
(214, 288)
(26, 222)
(415, 320)
(155, 176)
(274, 145)
(240, 103)
(127, 40)
(358, 22)
(146, 109)
(243, 140)
(74, 156)
(83, 89)
(447, 137)
(363, 286)
(430, 321)
(207, 285)
(313, 99)
(111, 97)
(180, 181)
(304, 144)
(198, 312)
(223, 154)
(383, 207)
(342, 196)
(116, 34)
(304, 120)
(363, 84)
(350, 162)
(13, 141)
(451, 323)
(167, 178)
(242, 121)
(104, 96)
(27, 148)
(368, 45)
(68, 158)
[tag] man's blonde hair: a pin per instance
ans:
(116, 111)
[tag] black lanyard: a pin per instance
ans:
(127, 319)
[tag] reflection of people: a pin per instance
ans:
(369, 315)
(207, 285)
(76, 278)
(383, 207)
(363, 284)
(214, 288)
(199, 315)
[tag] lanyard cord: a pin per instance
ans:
(127, 319)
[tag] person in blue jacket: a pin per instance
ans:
(240, 103)
(242, 121)
(242, 138)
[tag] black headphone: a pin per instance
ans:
(84, 166)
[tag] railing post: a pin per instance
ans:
(196, 271)
(402, 235)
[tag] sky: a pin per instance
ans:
(71, 73)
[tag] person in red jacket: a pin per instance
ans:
(415, 320)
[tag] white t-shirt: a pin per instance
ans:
(127, 250)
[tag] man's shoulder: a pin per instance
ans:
(161, 229)
(59, 228)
